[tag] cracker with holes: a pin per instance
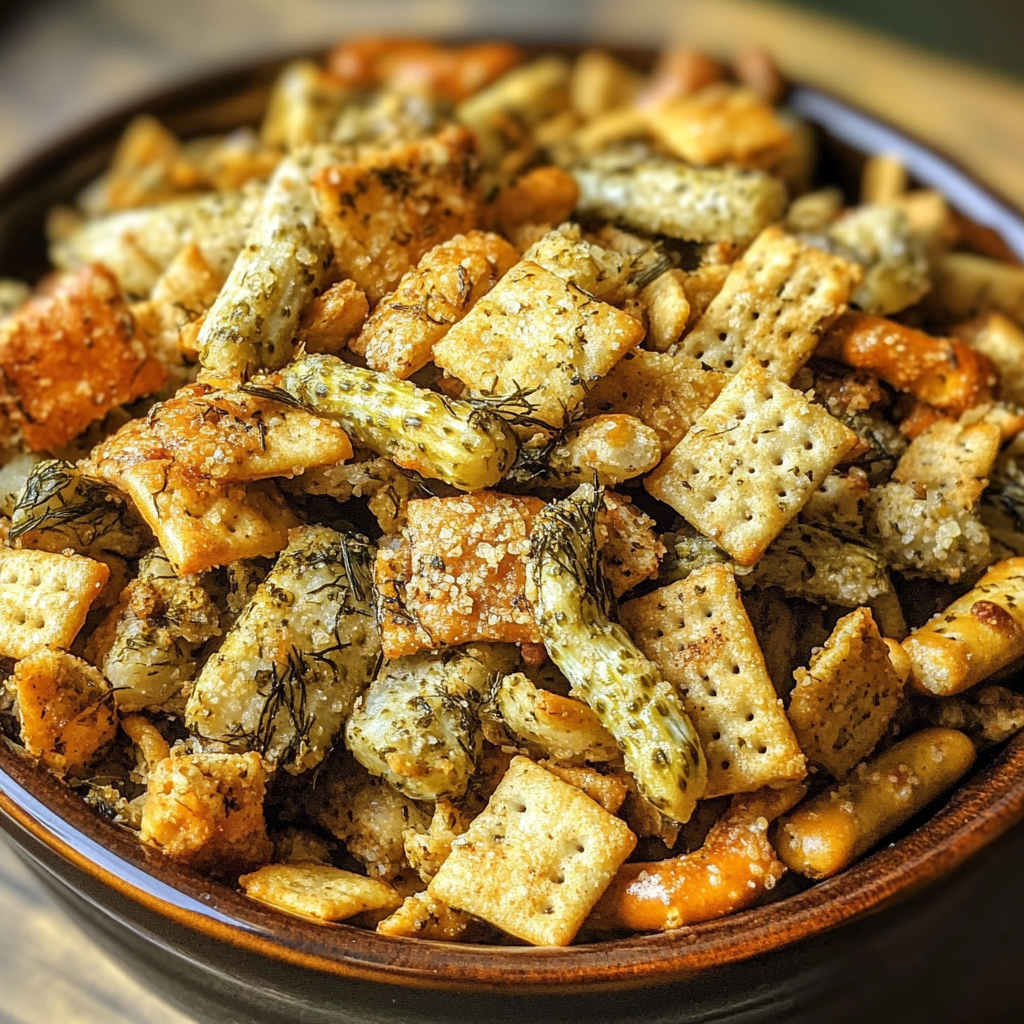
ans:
(536, 860)
(954, 457)
(44, 599)
(465, 578)
(844, 700)
(777, 301)
(665, 392)
(538, 337)
(66, 709)
(698, 634)
(750, 463)
(319, 892)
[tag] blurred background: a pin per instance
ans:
(951, 71)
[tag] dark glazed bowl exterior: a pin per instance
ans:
(225, 958)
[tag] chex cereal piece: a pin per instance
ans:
(750, 463)
(207, 810)
(69, 356)
(333, 319)
(319, 892)
(667, 393)
(65, 707)
(538, 336)
(698, 634)
(536, 860)
(385, 211)
(722, 123)
(465, 578)
(777, 301)
(399, 337)
(954, 457)
(843, 702)
(44, 599)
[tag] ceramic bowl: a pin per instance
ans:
(225, 958)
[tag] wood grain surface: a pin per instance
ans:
(63, 62)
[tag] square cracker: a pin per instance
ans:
(665, 392)
(698, 634)
(468, 568)
(70, 355)
(537, 333)
(536, 860)
(777, 301)
(318, 891)
(44, 599)
(386, 210)
(750, 463)
(952, 456)
(66, 709)
(843, 702)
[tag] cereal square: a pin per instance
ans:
(468, 568)
(65, 707)
(750, 463)
(44, 599)
(70, 355)
(698, 634)
(539, 336)
(207, 810)
(668, 393)
(536, 860)
(386, 210)
(777, 301)
(443, 287)
(843, 702)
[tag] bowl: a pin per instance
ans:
(215, 953)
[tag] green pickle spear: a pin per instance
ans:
(604, 666)
(438, 437)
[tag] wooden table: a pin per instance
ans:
(65, 62)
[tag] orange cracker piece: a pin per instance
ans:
(544, 195)
(207, 811)
(607, 790)
(44, 599)
(537, 334)
(399, 337)
(333, 319)
(666, 393)
(956, 457)
(318, 892)
(222, 437)
(843, 702)
(65, 707)
(536, 860)
(777, 301)
(750, 463)
(70, 355)
(384, 212)
(949, 375)
(467, 573)
(722, 123)
(698, 634)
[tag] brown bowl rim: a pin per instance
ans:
(33, 802)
